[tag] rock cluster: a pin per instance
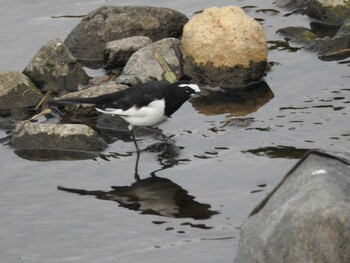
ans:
(88, 39)
(220, 47)
(329, 36)
(329, 11)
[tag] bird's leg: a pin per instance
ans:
(136, 174)
(131, 128)
(134, 139)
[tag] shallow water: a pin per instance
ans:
(232, 155)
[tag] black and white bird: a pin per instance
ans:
(146, 104)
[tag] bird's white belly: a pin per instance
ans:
(149, 115)
(149, 120)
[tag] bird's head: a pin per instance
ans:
(189, 89)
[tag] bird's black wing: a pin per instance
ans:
(137, 95)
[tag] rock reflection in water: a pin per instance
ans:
(238, 102)
(55, 154)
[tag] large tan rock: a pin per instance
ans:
(224, 47)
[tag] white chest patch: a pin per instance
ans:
(149, 115)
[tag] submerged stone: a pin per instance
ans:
(298, 34)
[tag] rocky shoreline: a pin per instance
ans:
(305, 219)
(134, 45)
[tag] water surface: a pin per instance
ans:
(231, 156)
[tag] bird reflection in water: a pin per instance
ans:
(153, 195)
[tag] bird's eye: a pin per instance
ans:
(189, 90)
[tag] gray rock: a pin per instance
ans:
(298, 34)
(88, 39)
(345, 28)
(17, 91)
(53, 68)
(118, 52)
(335, 48)
(28, 135)
(329, 11)
(143, 65)
(327, 48)
(291, 4)
(237, 59)
(134, 79)
(306, 218)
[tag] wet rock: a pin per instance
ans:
(118, 52)
(224, 47)
(298, 34)
(29, 135)
(306, 218)
(134, 79)
(329, 42)
(143, 65)
(292, 4)
(336, 48)
(79, 112)
(53, 68)
(345, 28)
(108, 122)
(17, 91)
(88, 39)
(329, 11)
(109, 77)
(323, 30)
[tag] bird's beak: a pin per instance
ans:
(197, 94)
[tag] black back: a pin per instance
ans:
(138, 95)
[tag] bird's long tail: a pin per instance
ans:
(61, 102)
